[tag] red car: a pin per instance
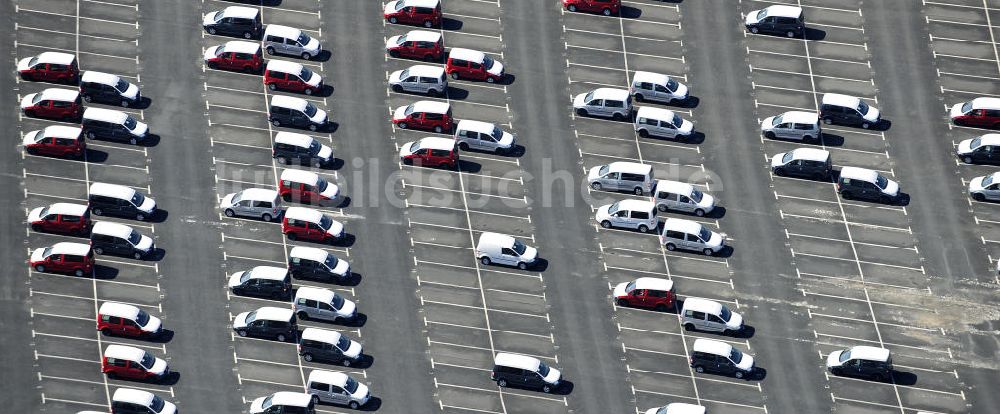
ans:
(122, 361)
(605, 7)
(235, 55)
(56, 140)
(50, 67)
(979, 112)
(65, 257)
(291, 76)
(307, 187)
(646, 292)
(424, 115)
(301, 223)
(424, 12)
(416, 44)
(53, 103)
(62, 218)
(473, 64)
(126, 320)
(430, 152)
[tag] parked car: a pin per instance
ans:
(646, 292)
(132, 401)
(115, 318)
(65, 218)
(301, 148)
(324, 304)
(848, 110)
(332, 346)
(425, 79)
(424, 115)
(113, 125)
(708, 315)
(49, 67)
(505, 250)
(683, 197)
(659, 122)
(420, 12)
(715, 356)
(632, 214)
(252, 202)
(862, 183)
(979, 112)
(307, 187)
(472, 64)
(416, 44)
(267, 322)
(301, 223)
(119, 239)
(796, 125)
(291, 76)
(430, 152)
(121, 361)
(64, 257)
(604, 102)
(861, 361)
(283, 402)
(286, 40)
(622, 176)
(234, 21)
(985, 187)
(657, 87)
(53, 103)
(984, 149)
(312, 263)
(690, 235)
(57, 141)
(605, 7)
(235, 55)
(109, 89)
(296, 113)
(119, 200)
(483, 136)
(524, 372)
(337, 388)
(777, 19)
(262, 281)
(803, 162)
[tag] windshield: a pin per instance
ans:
(130, 123)
(338, 301)
(705, 235)
(415, 147)
(33, 61)
(787, 157)
(776, 120)
(331, 261)
(629, 287)
(134, 237)
(845, 356)
(314, 147)
(967, 107)
(137, 198)
(156, 404)
(147, 360)
(677, 121)
(976, 142)
(589, 97)
(37, 98)
(321, 185)
(488, 62)
(121, 86)
(672, 85)
(252, 316)
(216, 16)
(726, 314)
(986, 181)
(881, 182)
(613, 208)
(303, 39)
(400, 40)
(604, 170)
(245, 276)
(325, 223)
(306, 74)
(399, 5)
(543, 369)
(237, 197)
(404, 74)
(351, 385)
(519, 247)
(736, 356)
(863, 107)
(46, 252)
(343, 343)
(310, 110)
(142, 318)
(497, 133)
(45, 210)
(696, 196)
(267, 402)
(408, 110)
(761, 14)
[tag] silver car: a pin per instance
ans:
(430, 80)
(986, 187)
(252, 202)
(290, 41)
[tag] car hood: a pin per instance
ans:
(746, 364)
(956, 110)
(707, 202)
(530, 254)
(394, 76)
(320, 117)
(314, 80)
(36, 256)
(145, 244)
(23, 63)
(751, 17)
(26, 101)
(873, 114)
(153, 325)
(619, 290)
(399, 113)
(331, 192)
(36, 214)
(140, 129)
(257, 406)
(240, 321)
(687, 127)
(348, 309)
(227, 201)
(234, 279)
(159, 367)
(965, 146)
(892, 188)
(833, 360)
(209, 18)
(336, 228)
(132, 92)
(735, 321)
(342, 267)
(325, 152)
(392, 41)
(390, 7)
(405, 149)
(602, 213)
(506, 140)
(148, 205)
(29, 138)
(554, 376)
(578, 100)
(767, 123)
(976, 184)
(594, 173)
(715, 240)
(681, 92)
(496, 69)
(776, 160)
(361, 394)
(312, 46)
(353, 351)
(211, 52)
(168, 408)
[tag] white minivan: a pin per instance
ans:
(797, 125)
(649, 86)
(690, 235)
(604, 102)
(659, 122)
(483, 136)
(678, 196)
(506, 250)
(711, 316)
(632, 214)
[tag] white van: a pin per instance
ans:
(659, 122)
(649, 86)
(483, 136)
(138, 401)
(796, 125)
(506, 250)
(252, 202)
(337, 388)
(284, 402)
(622, 176)
(290, 41)
(678, 196)
(711, 316)
(604, 102)
(690, 235)
(632, 214)
(319, 303)
(427, 79)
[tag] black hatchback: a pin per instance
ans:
(781, 20)
(234, 21)
(267, 322)
(262, 281)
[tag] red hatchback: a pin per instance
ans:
(65, 257)
(425, 115)
(472, 64)
(979, 112)
(307, 187)
(50, 67)
(423, 12)
(646, 292)
(430, 152)
(291, 76)
(301, 223)
(57, 141)
(605, 7)
(235, 55)
(53, 103)
(416, 44)
(62, 218)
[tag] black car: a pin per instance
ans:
(719, 357)
(234, 21)
(303, 149)
(113, 238)
(305, 267)
(262, 281)
(329, 346)
(848, 110)
(112, 125)
(267, 322)
(109, 89)
(803, 162)
(782, 20)
(980, 150)
(294, 112)
(861, 361)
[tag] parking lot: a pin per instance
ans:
(810, 271)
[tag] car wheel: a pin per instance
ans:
(809, 138)
(754, 30)
(292, 236)
(91, 135)
(522, 265)
(125, 104)
(306, 55)
(272, 86)
(617, 116)
(428, 24)
(708, 252)
(78, 273)
(643, 228)
(393, 20)
(485, 260)
(140, 217)
(977, 197)
(689, 327)
(308, 91)
(112, 375)
(643, 133)
(429, 58)
(606, 11)
(699, 212)
(828, 121)
(30, 114)
(490, 80)
(596, 186)
(637, 191)
(303, 316)
(132, 141)
(137, 255)
(727, 332)
(394, 53)
(315, 399)
(345, 362)
(671, 247)
(606, 224)
(967, 160)
(640, 98)
(36, 227)
(40, 268)
(407, 161)
(242, 332)
(318, 163)
(699, 369)
(27, 77)
(435, 92)
(229, 212)
(106, 332)
(502, 383)
(621, 302)
(98, 251)
(790, 33)
(846, 195)
(403, 125)
(88, 98)
(546, 388)
(313, 127)
(354, 405)
(662, 207)
(280, 337)
(397, 88)
(266, 217)
(247, 35)
(276, 122)
(582, 112)
(281, 160)
(865, 125)
(836, 371)
(97, 212)
(739, 374)
(307, 357)
(769, 135)
(438, 129)
(878, 377)
(454, 75)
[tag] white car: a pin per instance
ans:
(604, 102)
(986, 187)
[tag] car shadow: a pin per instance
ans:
(104, 272)
(330, 127)
(166, 335)
(451, 24)
(159, 216)
(725, 252)
(156, 255)
(151, 140)
(347, 241)
(517, 151)
(902, 200)
(540, 265)
(747, 332)
(170, 379)
(325, 92)
(717, 213)
(626, 12)
(93, 155)
(469, 166)
(904, 378)
(345, 202)
(565, 388)
(831, 140)
(758, 374)
(883, 125)
(335, 164)
(374, 403)
(457, 94)
(691, 102)
(359, 320)
(694, 138)
(508, 79)
(353, 279)
(813, 34)
(364, 362)
(323, 56)
(144, 103)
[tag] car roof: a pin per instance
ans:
(275, 313)
(611, 93)
(811, 154)
(654, 112)
(303, 213)
(686, 226)
(501, 240)
(856, 173)
(61, 131)
(989, 139)
(477, 126)
(289, 102)
(517, 361)
(132, 395)
(283, 31)
(466, 54)
(284, 66)
(683, 408)
(309, 253)
(269, 272)
(68, 208)
(111, 190)
(986, 103)
(423, 36)
(240, 11)
(703, 305)
(654, 283)
(78, 249)
(784, 11)
(426, 70)
(801, 117)
(295, 399)
(328, 377)
(652, 77)
(58, 58)
(675, 187)
(99, 77)
(630, 167)
(293, 138)
(431, 106)
(120, 310)
(300, 176)
(60, 94)
(322, 335)
(314, 293)
(106, 115)
(112, 229)
(841, 100)
(240, 46)
(259, 194)
(636, 205)
(124, 352)
(712, 347)
(421, 3)
(438, 143)
(870, 353)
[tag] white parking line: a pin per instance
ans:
(523, 199)
(160, 347)
(18, 9)
(484, 308)
(479, 348)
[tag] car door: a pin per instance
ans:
(666, 129)
(508, 256)
(685, 204)
(783, 130)
(714, 323)
(697, 318)
(315, 232)
(339, 395)
(692, 242)
(610, 181)
(595, 107)
(412, 84)
(661, 93)
(326, 311)
(992, 192)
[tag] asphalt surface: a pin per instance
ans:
(810, 271)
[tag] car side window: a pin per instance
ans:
(657, 293)
(69, 258)
(411, 79)
(440, 153)
(661, 88)
(993, 112)
(716, 319)
(697, 315)
(674, 234)
(508, 251)
(804, 127)
(424, 79)
(596, 102)
(318, 387)
(430, 116)
(459, 62)
(640, 215)
(647, 121)
(693, 238)
(611, 103)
